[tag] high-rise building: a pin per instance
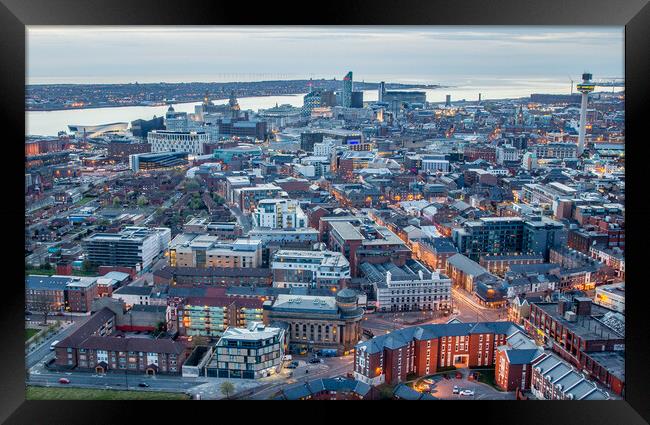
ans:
(346, 96)
(310, 101)
(382, 91)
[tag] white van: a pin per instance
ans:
(52, 345)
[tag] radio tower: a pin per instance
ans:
(585, 88)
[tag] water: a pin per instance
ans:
(49, 123)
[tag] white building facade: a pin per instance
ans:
(292, 268)
(279, 214)
(178, 141)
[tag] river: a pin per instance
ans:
(49, 123)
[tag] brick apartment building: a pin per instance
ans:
(588, 336)
(363, 242)
(60, 293)
(212, 276)
(422, 350)
(95, 347)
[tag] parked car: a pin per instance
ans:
(292, 365)
(143, 385)
(316, 360)
(428, 381)
(459, 375)
(447, 376)
(467, 393)
(64, 381)
(456, 390)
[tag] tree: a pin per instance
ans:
(199, 340)
(87, 266)
(227, 389)
(191, 185)
(142, 201)
(116, 201)
(41, 303)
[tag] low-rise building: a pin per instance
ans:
(131, 247)
(93, 347)
(211, 315)
(422, 350)
(279, 214)
(133, 295)
(338, 388)
(253, 352)
(213, 276)
(202, 251)
(500, 264)
(329, 322)
(310, 269)
(554, 379)
(60, 293)
(411, 287)
(611, 296)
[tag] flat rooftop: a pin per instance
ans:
(587, 327)
(305, 303)
(346, 230)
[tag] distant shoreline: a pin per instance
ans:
(198, 98)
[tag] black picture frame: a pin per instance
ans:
(15, 15)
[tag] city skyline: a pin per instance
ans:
(447, 55)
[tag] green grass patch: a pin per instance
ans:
(49, 393)
(30, 332)
(44, 272)
(486, 376)
(85, 200)
(385, 391)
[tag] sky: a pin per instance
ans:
(432, 54)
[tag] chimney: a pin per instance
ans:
(583, 306)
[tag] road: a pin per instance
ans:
(37, 355)
(471, 311)
(147, 277)
(466, 310)
(243, 220)
(113, 380)
(336, 366)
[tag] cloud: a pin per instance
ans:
(63, 52)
